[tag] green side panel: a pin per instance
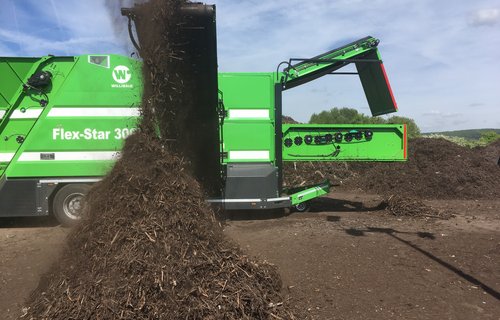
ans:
(22, 66)
(303, 194)
(61, 169)
(3, 102)
(80, 133)
(376, 85)
(9, 83)
(90, 83)
(13, 71)
(251, 142)
(15, 129)
(248, 130)
(16, 103)
(92, 106)
(358, 142)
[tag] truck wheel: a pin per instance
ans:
(68, 203)
(302, 207)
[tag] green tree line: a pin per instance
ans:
(488, 137)
(349, 115)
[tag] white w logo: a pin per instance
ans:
(121, 74)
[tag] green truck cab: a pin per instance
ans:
(63, 123)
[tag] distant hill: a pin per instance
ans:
(473, 134)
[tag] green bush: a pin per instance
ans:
(488, 137)
(352, 116)
(457, 140)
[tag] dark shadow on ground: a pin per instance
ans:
(333, 218)
(426, 235)
(322, 204)
(253, 214)
(337, 205)
(28, 222)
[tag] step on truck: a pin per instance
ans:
(64, 120)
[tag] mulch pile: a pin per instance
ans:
(401, 206)
(436, 169)
(491, 152)
(149, 247)
(307, 172)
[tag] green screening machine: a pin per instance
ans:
(64, 119)
(255, 143)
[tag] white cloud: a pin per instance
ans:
(485, 17)
(440, 114)
(62, 28)
(34, 46)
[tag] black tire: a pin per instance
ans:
(68, 203)
(302, 207)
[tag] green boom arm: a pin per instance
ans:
(364, 54)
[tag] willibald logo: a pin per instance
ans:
(122, 74)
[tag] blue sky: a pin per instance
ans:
(442, 57)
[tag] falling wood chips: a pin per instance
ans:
(149, 247)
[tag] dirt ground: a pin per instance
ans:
(28, 247)
(345, 259)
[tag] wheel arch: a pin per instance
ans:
(51, 187)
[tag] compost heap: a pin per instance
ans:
(404, 206)
(149, 247)
(436, 169)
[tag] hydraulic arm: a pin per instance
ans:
(370, 68)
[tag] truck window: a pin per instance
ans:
(100, 60)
